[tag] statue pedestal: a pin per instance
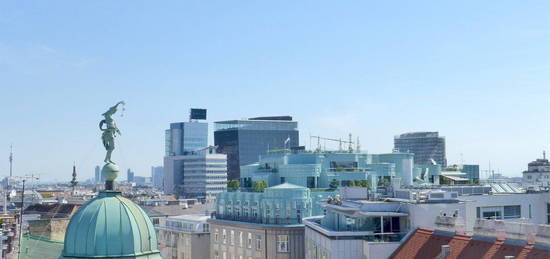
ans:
(110, 173)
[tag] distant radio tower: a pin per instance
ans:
(11, 161)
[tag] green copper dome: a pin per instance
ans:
(110, 226)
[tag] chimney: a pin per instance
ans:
(445, 251)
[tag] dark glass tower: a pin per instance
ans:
(245, 140)
(424, 145)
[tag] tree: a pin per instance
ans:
(364, 183)
(351, 183)
(334, 184)
(233, 185)
(259, 186)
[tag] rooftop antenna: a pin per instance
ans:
(544, 154)
(11, 161)
(358, 145)
(340, 144)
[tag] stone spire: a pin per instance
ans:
(74, 182)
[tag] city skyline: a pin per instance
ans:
(476, 73)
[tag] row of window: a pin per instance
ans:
(281, 243)
(231, 239)
(499, 212)
(224, 256)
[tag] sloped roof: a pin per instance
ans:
(52, 210)
(426, 244)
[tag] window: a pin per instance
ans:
(499, 212)
(282, 243)
(240, 238)
(232, 238)
(512, 212)
(216, 235)
(288, 211)
(249, 243)
(216, 254)
(258, 242)
(224, 236)
(495, 214)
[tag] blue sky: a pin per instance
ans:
(476, 71)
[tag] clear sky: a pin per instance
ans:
(476, 71)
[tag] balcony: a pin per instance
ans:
(314, 223)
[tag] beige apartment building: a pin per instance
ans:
(243, 240)
(184, 237)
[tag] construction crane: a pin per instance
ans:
(340, 142)
(209, 148)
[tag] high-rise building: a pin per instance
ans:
(426, 146)
(98, 177)
(157, 176)
(191, 167)
(195, 175)
(130, 175)
(245, 140)
(185, 137)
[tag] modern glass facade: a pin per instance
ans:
(472, 172)
(185, 137)
(424, 145)
(283, 204)
(245, 140)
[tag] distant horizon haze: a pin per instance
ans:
(476, 72)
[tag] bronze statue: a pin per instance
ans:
(110, 131)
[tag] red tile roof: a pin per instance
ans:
(425, 244)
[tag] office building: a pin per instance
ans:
(185, 137)
(195, 175)
(426, 146)
(320, 168)
(142, 181)
(157, 177)
(189, 158)
(244, 140)
(538, 172)
(204, 175)
(184, 237)
(98, 176)
(130, 176)
(472, 173)
(264, 224)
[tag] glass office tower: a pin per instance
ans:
(245, 140)
(185, 137)
(424, 145)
